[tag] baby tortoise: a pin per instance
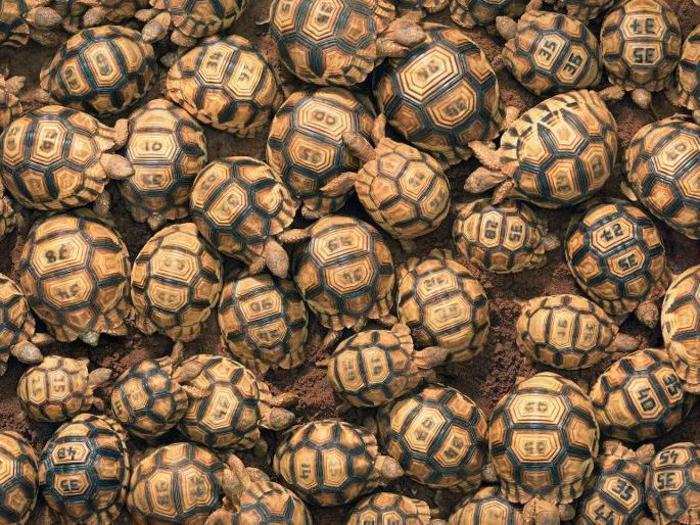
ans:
(639, 397)
(394, 509)
(19, 485)
(102, 70)
(581, 10)
(340, 43)
(672, 484)
(84, 470)
(569, 332)
(240, 207)
(166, 148)
(330, 462)
(502, 238)
(56, 158)
(305, 147)
(556, 154)
(263, 323)
(403, 189)
(617, 256)
(443, 305)
(374, 367)
(663, 166)
(487, 507)
(438, 436)
(680, 326)
(10, 102)
(227, 84)
(686, 91)
(543, 440)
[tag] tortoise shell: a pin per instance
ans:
(10, 103)
(345, 273)
(687, 88)
(84, 469)
(394, 509)
(564, 331)
(543, 438)
(175, 283)
(74, 271)
(329, 462)
(239, 205)
(639, 397)
(562, 151)
(202, 17)
(553, 53)
(266, 502)
(470, 13)
(18, 324)
(102, 70)
(55, 390)
(673, 484)
(178, 483)
(330, 43)
(167, 148)
(20, 480)
(615, 494)
(373, 367)
(8, 217)
(680, 325)
(443, 305)
(14, 30)
(581, 10)
(616, 255)
(663, 170)
(442, 95)
(503, 238)
(227, 84)
(231, 414)
(305, 146)
(263, 322)
(439, 437)
(487, 507)
(640, 44)
(146, 399)
(52, 158)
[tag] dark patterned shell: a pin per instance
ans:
(229, 415)
(103, 70)
(442, 95)
(673, 485)
(582, 10)
(238, 204)
(562, 151)
(84, 470)
(51, 160)
(615, 493)
(640, 44)
(18, 478)
(444, 306)
(227, 84)
(266, 502)
(175, 283)
(616, 255)
(439, 437)
(329, 42)
(503, 238)
(371, 368)
(201, 18)
(306, 149)
(543, 438)
(564, 331)
(263, 322)
(487, 507)
(391, 509)
(18, 324)
(14, 30)
(178, 483)
(167, 148)
(467, 13)
(55, 390)
(327, 462)
(74, 271)
(663, 171)
(147, 401)
(345, 273)
(639, 397)
(688, 73)
(404, 190)
(553, 53)
(680, 325)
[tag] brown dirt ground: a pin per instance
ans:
(485, 379)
